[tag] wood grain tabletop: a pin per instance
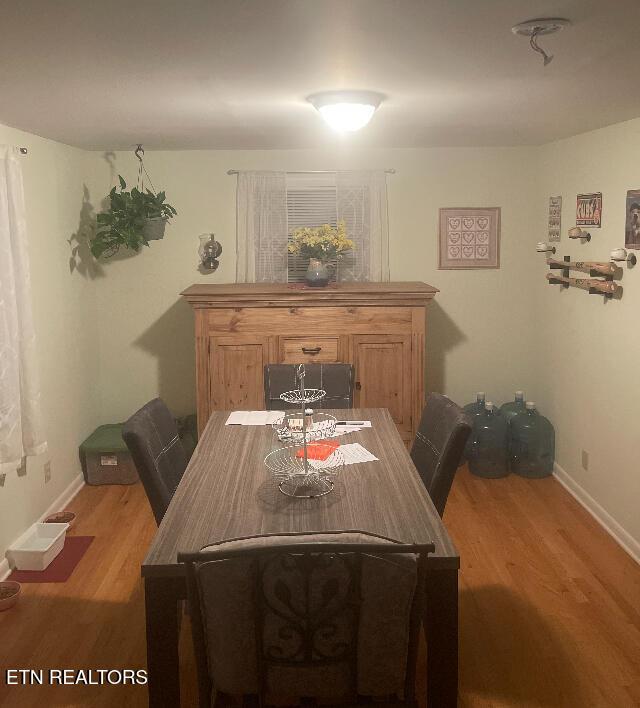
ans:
(227, 492)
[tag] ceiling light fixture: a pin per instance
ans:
(346, 111)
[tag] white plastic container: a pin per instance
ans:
(35, 549)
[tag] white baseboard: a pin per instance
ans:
(603, 517)
(58, 504)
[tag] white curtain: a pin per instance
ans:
(361, 199)
(265, 217)
(261, 237)
(21, 430)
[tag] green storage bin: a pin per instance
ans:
(105, 457)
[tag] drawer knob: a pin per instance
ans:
(311, 350)
(358, 386)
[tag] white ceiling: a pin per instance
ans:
(179, 74)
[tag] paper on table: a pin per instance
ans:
(254, 417)
(351, 453)
(344, 429)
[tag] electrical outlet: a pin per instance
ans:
(585, 460)
(47, 471)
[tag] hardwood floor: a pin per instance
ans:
(549, 604)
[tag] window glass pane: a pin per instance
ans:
(311, 202)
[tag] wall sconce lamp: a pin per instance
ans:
(209, 252)
(620, 254)
(577, 232)
(544, 247)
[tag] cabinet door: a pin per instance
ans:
(383, 375)
(236, 366)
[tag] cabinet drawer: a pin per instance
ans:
(298, 350)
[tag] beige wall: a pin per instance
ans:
(589, 348)
(64, 314)
(478, 334)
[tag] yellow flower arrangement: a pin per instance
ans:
(325, 243)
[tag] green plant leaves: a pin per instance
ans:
(122, 225)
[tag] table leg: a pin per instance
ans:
(441, 633)
(161, 597)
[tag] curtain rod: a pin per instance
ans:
(390, 171)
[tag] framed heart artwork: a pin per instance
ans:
(469, 237)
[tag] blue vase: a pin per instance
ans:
(317, 275)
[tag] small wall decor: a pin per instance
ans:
(592, 267)
(620, 254)
(576, 232)
(469, 237)
(632, 224)
(589, 210)
(209, 251)
(594, 285)
(555, 218)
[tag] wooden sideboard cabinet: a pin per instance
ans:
(378, 327)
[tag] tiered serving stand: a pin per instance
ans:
(299, 476)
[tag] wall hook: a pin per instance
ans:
(577, 232)
(620, 254)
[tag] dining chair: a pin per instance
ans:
(335, 379)
(438, 446)
(320, 616)
(152, 437)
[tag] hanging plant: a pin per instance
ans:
(134, 217)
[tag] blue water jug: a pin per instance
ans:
(511, 409)
(475, 410)
(533, 443)
(489, 456)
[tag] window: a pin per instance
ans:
(270, 206)
(311, 201)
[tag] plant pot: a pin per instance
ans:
(153, 229)
(9, 594)
(317, 275)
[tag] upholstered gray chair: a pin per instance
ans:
(330, 616)
(438, 446)
(157, 452)
(335, 379)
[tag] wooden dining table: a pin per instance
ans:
(227, 492)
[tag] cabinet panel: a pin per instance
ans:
(383, 375)
(236, 366)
